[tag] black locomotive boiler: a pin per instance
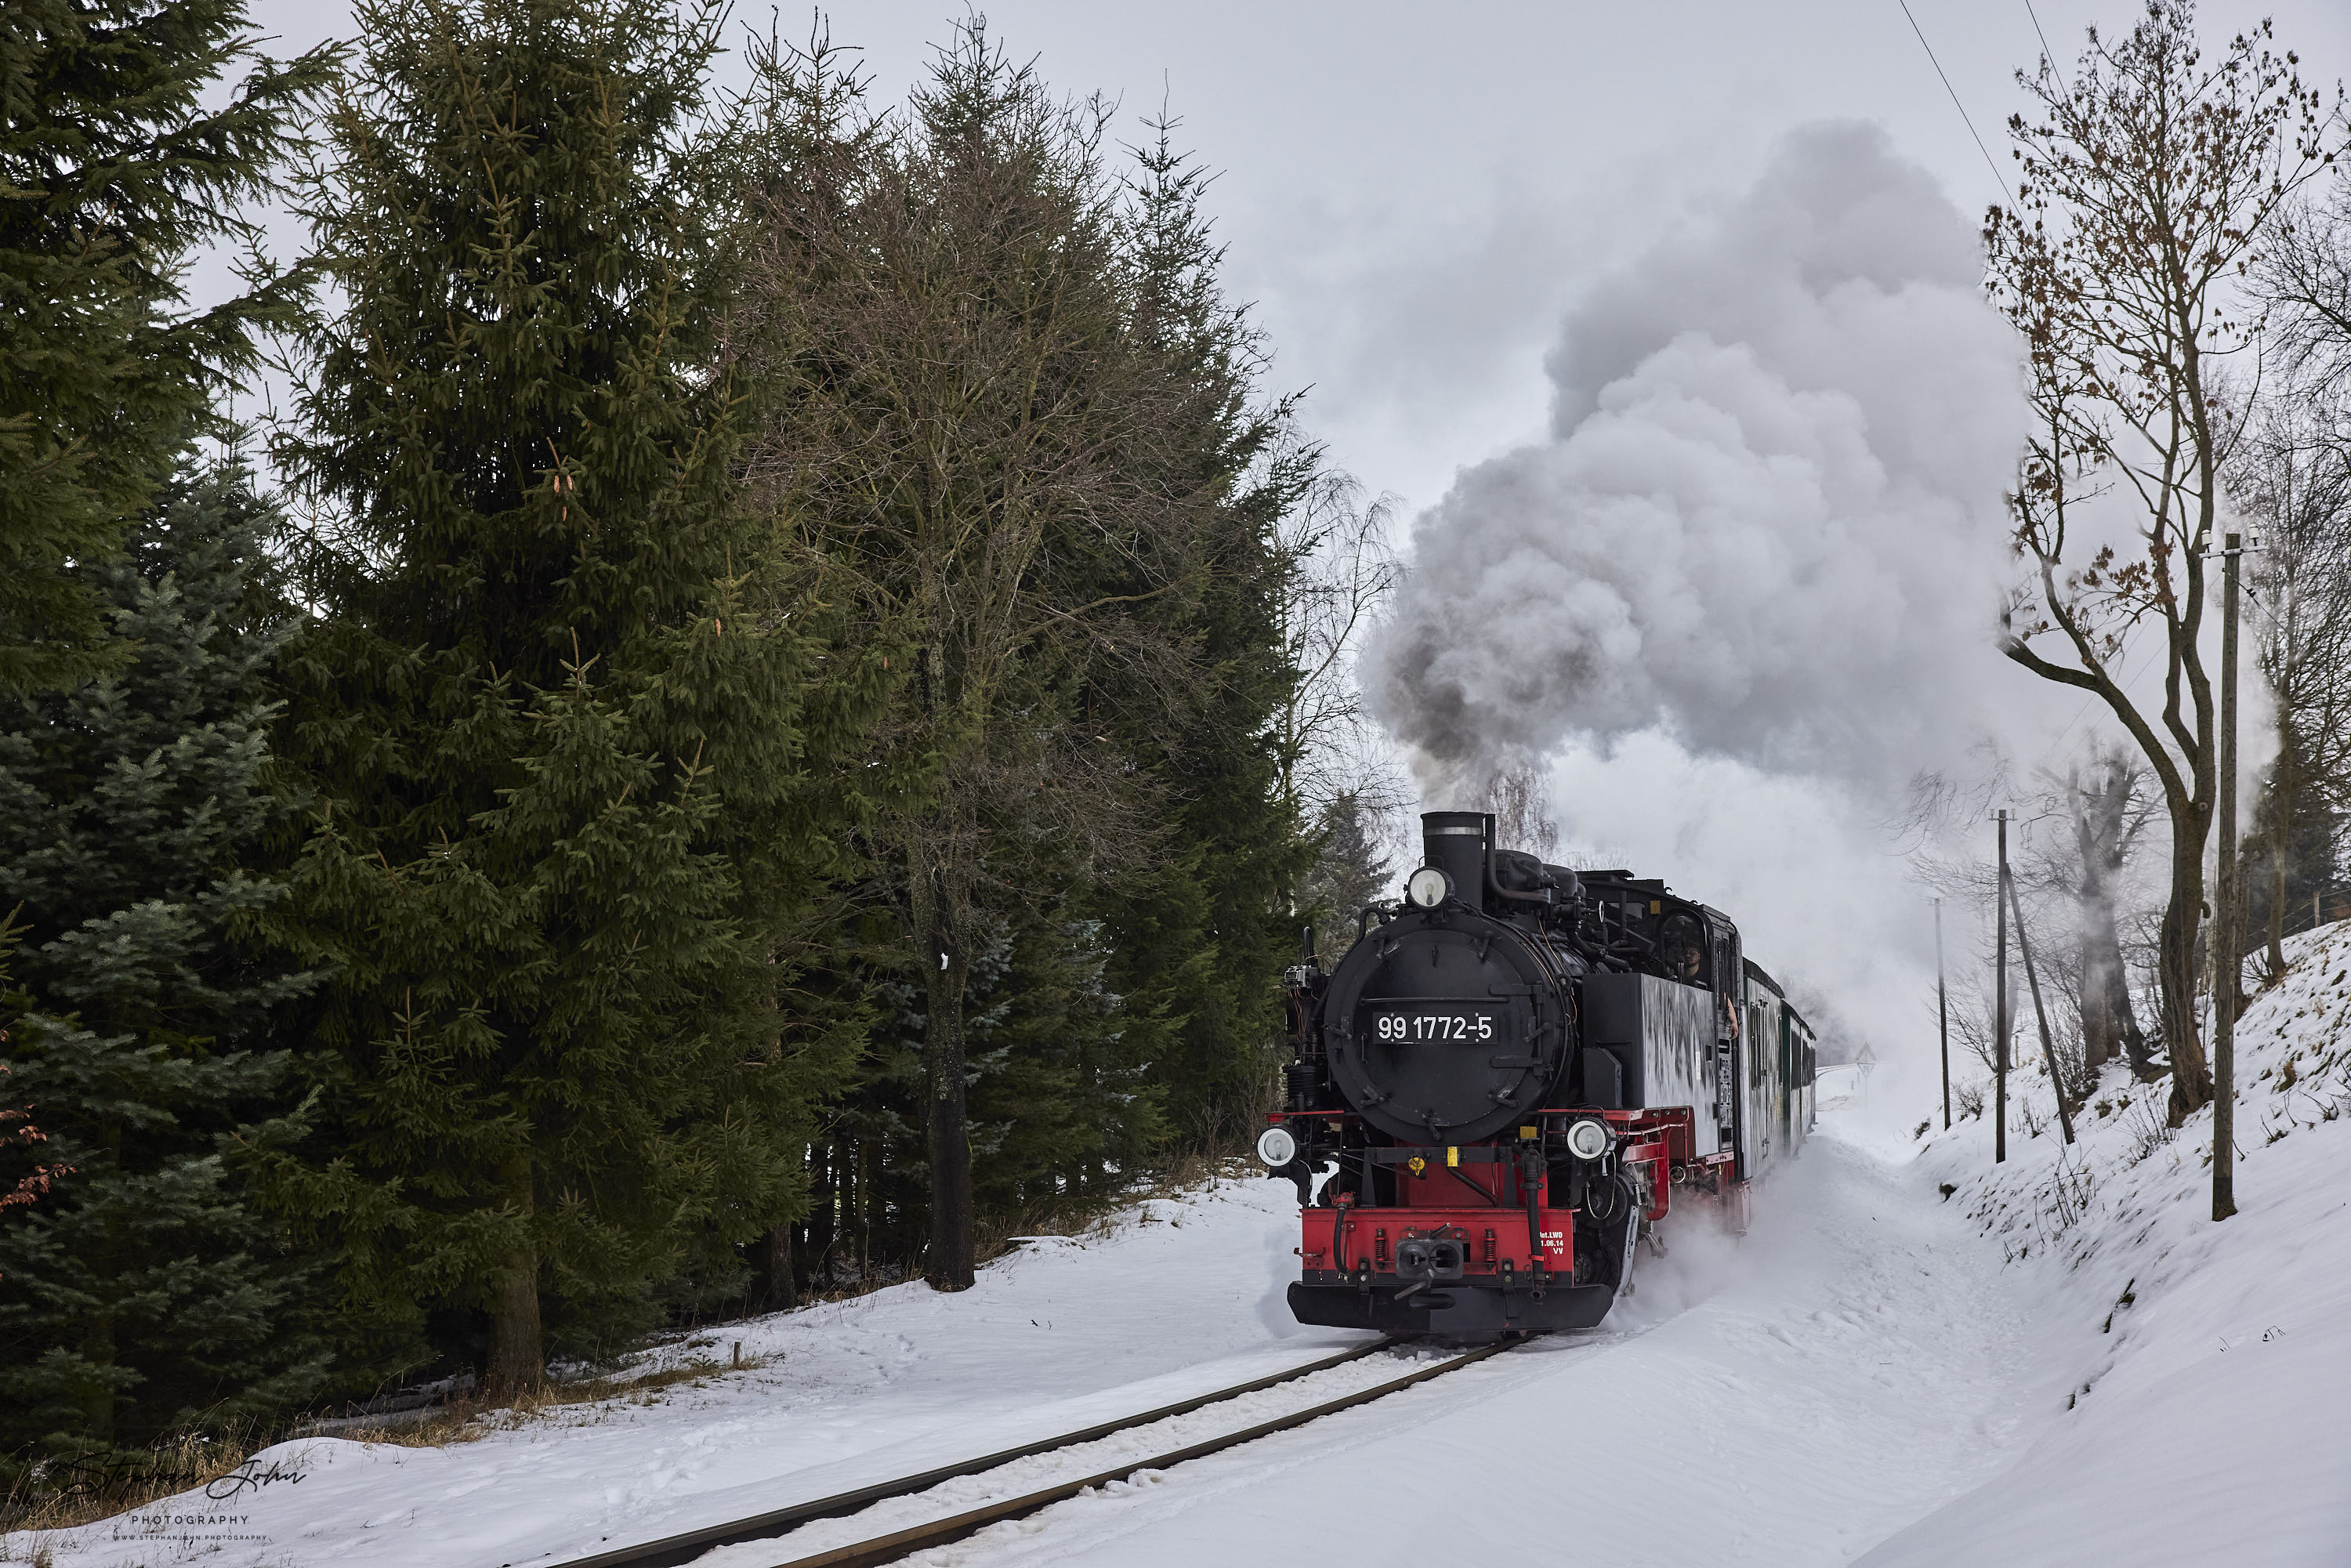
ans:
(1505, 1079)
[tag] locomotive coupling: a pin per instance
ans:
(1431, 1257)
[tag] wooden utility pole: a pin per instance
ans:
(2041, 1014)
(2000, 1007)
(1942, 1015)
(2225, 962)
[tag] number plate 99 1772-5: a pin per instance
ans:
(1432, 1026)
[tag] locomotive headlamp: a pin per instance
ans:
(1427, 887)
(1588, 1140)
(1276, 1147)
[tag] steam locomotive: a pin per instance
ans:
(1505, 1081)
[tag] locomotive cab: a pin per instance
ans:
(1498, 1085)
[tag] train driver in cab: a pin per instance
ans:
(1685, 951)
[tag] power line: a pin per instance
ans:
(2046, 53)
(1997, 183)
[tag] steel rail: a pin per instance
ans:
(916, 1538)
(673, 1550)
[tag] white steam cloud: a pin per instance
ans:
(1767, 521)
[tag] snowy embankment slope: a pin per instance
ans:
(2196, 1376)
(1875, 1373)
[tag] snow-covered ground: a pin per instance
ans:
(1183, 1298)
(1877, 1374)
(2189, 1384)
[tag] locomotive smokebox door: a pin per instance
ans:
(1447, 1025)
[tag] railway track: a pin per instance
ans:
(684, 1548)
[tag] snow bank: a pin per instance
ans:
(1179, 1297)
(2194, 1376)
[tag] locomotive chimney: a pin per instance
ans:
(1457, 844)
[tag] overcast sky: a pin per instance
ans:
(1413, 193)
(1417, 197)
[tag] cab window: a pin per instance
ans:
(1681, 946)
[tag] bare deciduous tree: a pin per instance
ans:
(2293, 477)
(2304, 274)
(1521, 806)
(2107, 800)
(2296, 480)
(2074, 855)
(2148, 184)
(1340, 565)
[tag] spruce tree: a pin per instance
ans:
(113, 169)
(1201, 938)
(139, 1290)
(569, 713)
(1065, 1093)
(938, 324)
(1019, 417)
(31, 1170)
(1351, 868)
